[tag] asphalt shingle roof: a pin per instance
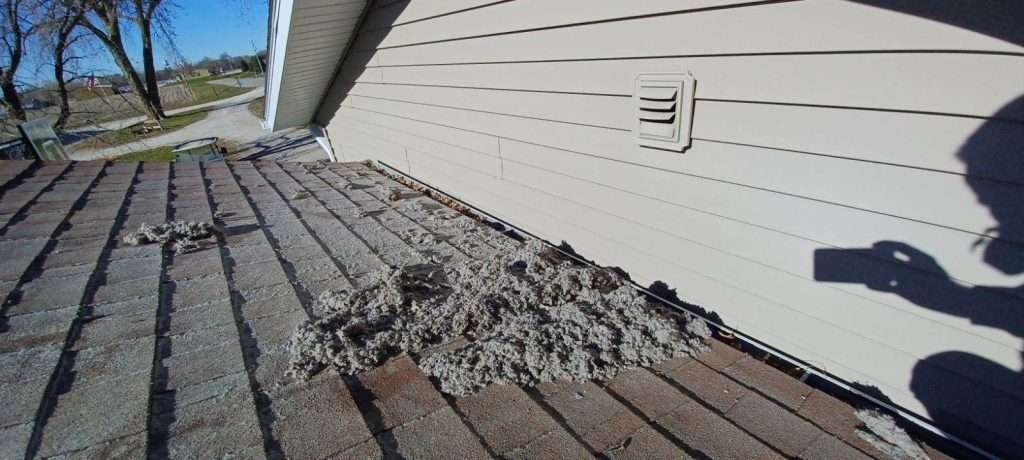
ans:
(115, 351)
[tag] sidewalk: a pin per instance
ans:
(229, 120)
(118, 124)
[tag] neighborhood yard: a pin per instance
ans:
(204, 91)
(144, 130)
(164, 153)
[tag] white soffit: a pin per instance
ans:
(307, 40)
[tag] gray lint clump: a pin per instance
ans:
(181, 236)
(530, 315)
(880, 430)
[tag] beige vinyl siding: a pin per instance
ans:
(817, 125)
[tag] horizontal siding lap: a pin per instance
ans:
(523, 15)
(612, 112)
(780, 28)
(784, 253)
(753, 314)
(868, 135)
(766, 316)
(893, 81)
(375, 149)
(901, 192)
(480, 143)
(756, 206)
(814, 136)
(484, 164)
(778, 251)
(386, 14)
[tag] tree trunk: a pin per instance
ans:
(62, 88)
(14, 107)
(149, 70)
(14, 52)
(138, 87)
(111, 39)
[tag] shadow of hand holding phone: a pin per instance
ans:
(968, 395)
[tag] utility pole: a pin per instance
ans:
(256, 55)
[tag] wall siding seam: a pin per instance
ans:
(501, 161)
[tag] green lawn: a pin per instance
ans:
(256, 108)
(206, 92)
(164, 153)
(133, 133)
(249, 74)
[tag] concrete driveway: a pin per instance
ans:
(229, 120)
(125, 122)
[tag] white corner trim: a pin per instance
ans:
(320, 134)
(282, 11)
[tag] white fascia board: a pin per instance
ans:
(282, 11)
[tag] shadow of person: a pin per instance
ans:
(971, 396)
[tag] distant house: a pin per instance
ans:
(91, 87)
(838, 182)
(197, 73)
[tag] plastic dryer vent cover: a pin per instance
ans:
(664, 110)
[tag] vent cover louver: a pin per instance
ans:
(664, 109)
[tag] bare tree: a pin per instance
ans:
(145, 14)
(16, 28)
(109, 32)
(63, 19)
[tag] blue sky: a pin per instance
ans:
(203, 28)
(211, 27)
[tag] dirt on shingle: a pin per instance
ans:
(182, 237)
(881, 431)
(530, 315)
